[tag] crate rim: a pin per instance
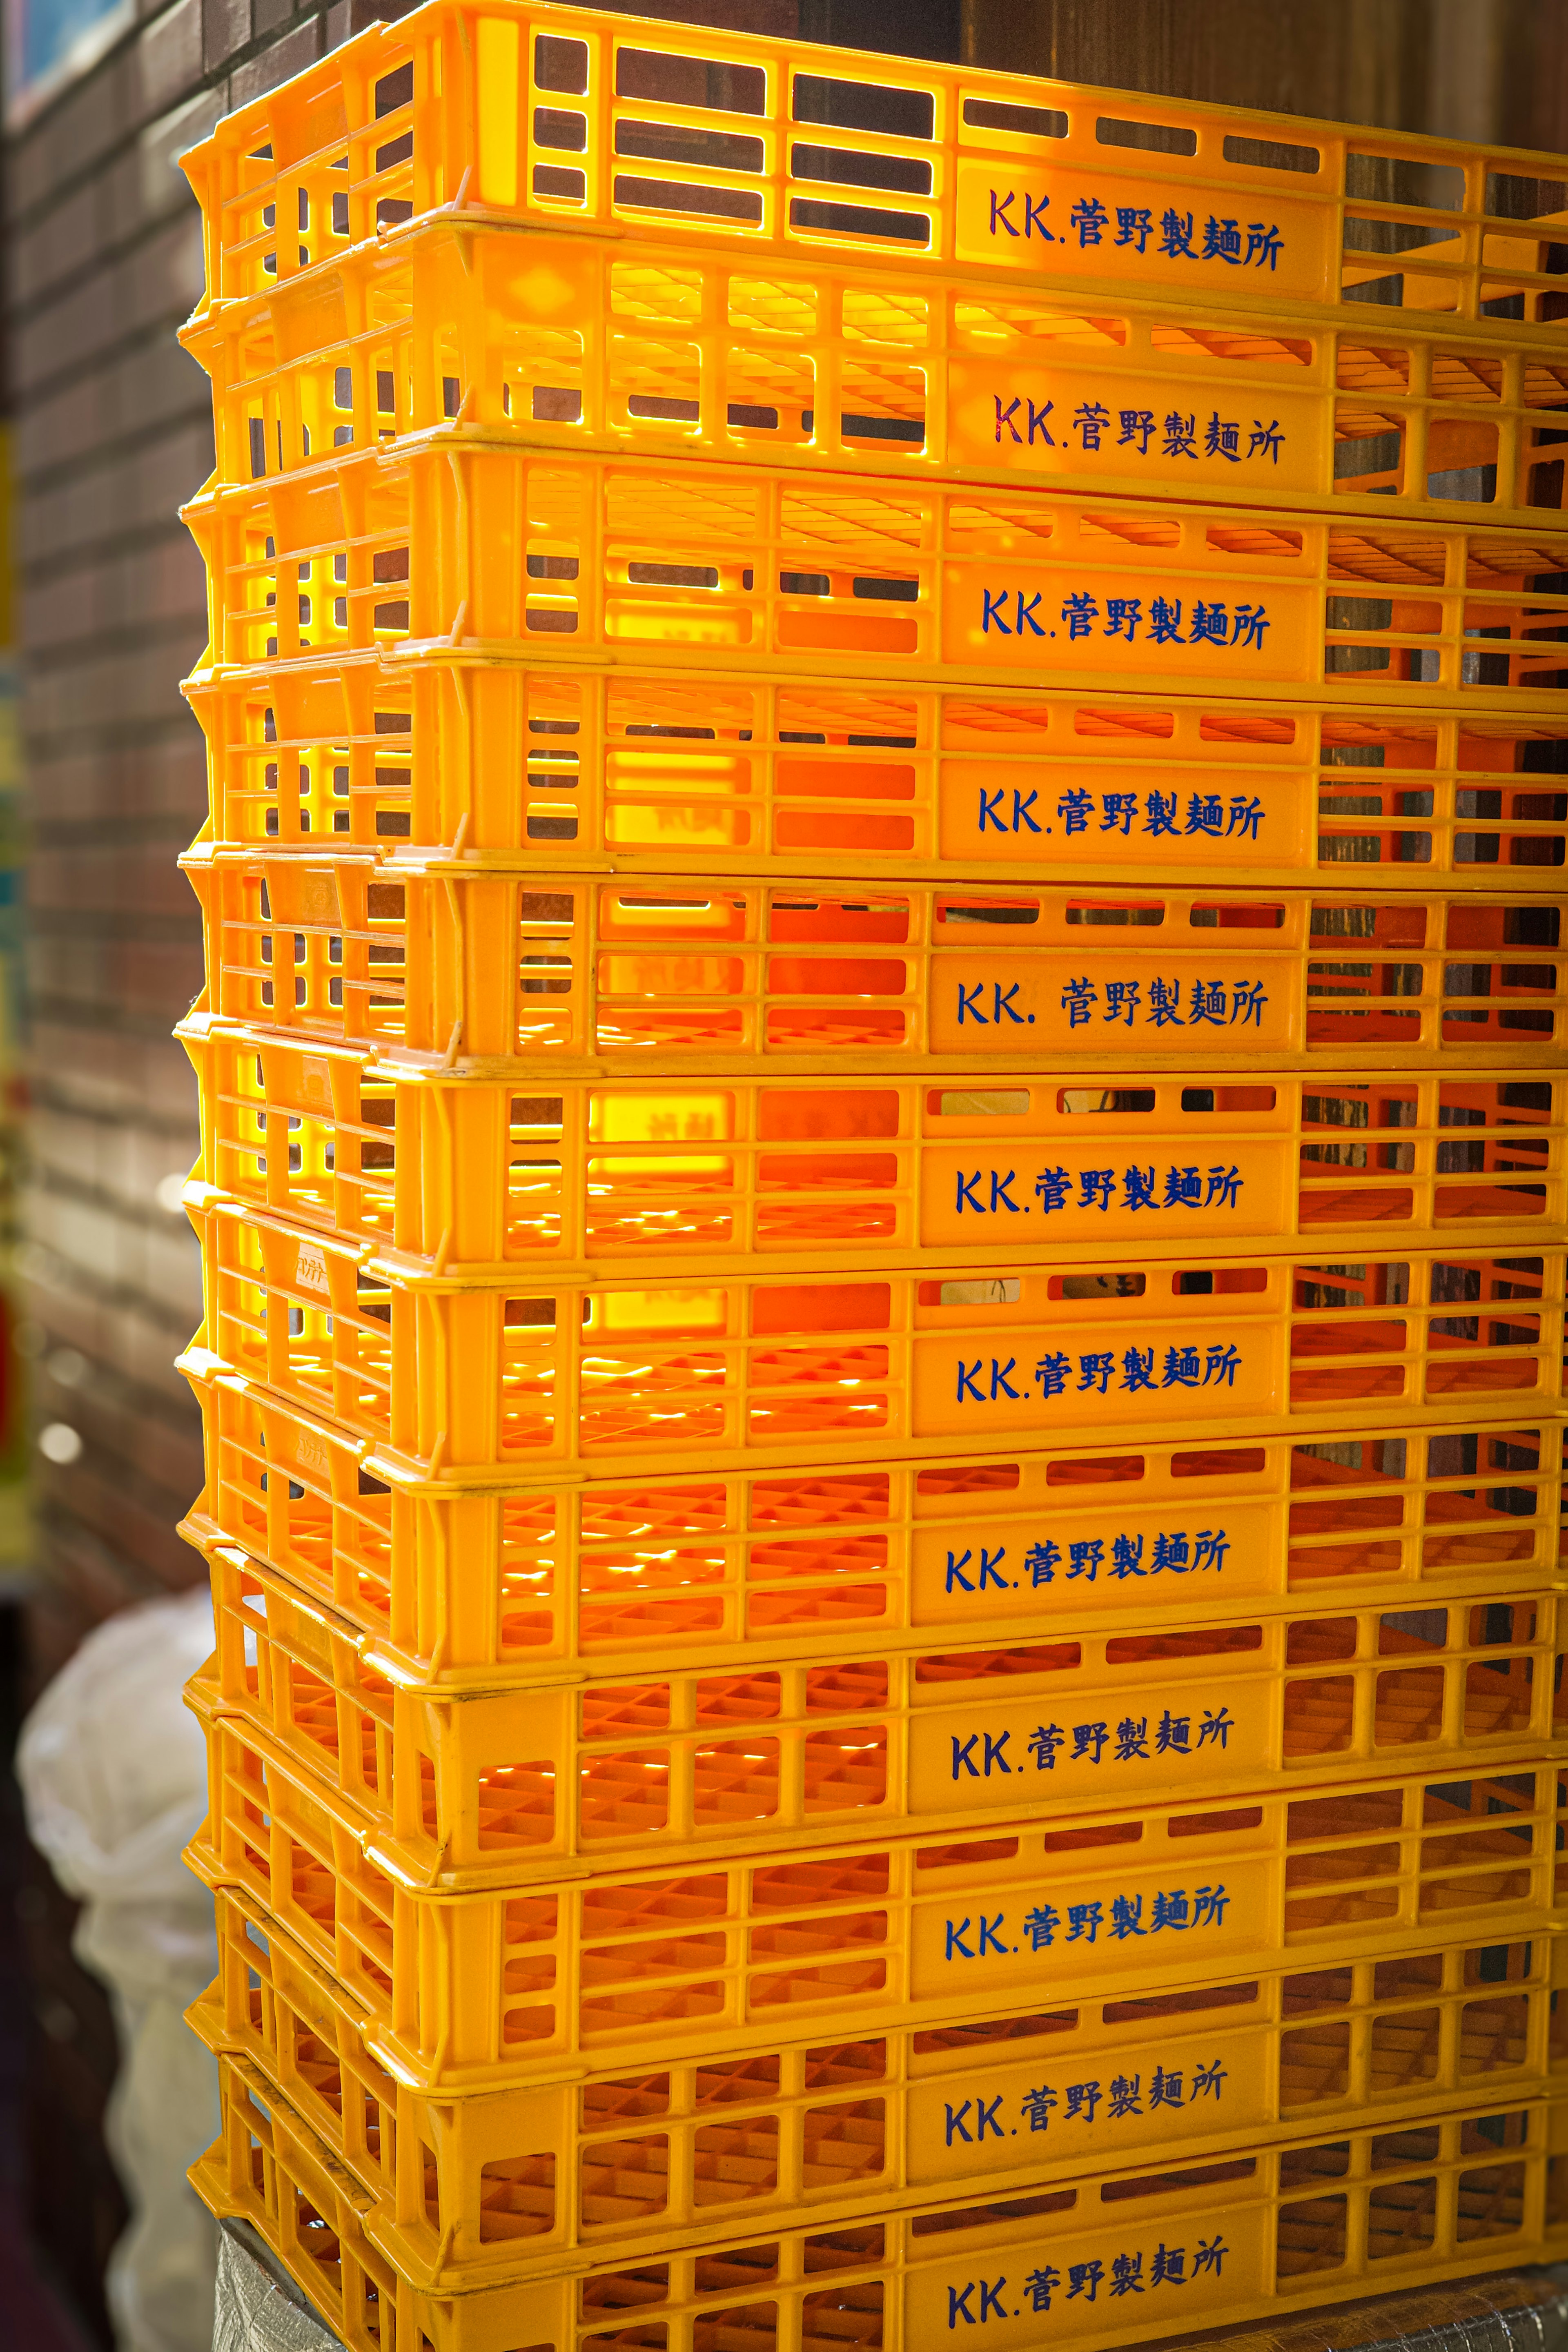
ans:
(207, 332)
(827, 1840)
(645, 2243)
(411, 1273)
(1422, 146)
(410, 1473)
(568, 1675)
(577, 2262)
(580, 2068)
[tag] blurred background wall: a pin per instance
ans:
(109, 432)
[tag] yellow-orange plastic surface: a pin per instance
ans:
(504, 1785)
(639, 768)
(467, 968)
(1249, 2236)
(735, 1368)
(445, 1175)
(572, 118)
(495, 551)
(505, 1585)
(585, 344)
(466, 2188)
(463, 1984)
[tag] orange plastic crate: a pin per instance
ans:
(462, 1986)
(472, 1173)
(470, 1591)
(733, 1369)
(497, 551)
(571, 118)
(1258, 2235)
(602, 345)
(665, 2153)
(506, 1785)
(466, 967)
(722, 774)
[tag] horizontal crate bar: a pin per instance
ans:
(501, 1787)
(492, 551)
(1205, 2245)
(581, 343)
(468, 1590)
(1258, 2235)
(463, 1987)
(450, 1174)
(466, 968)
(568, 119)
(467, 2187)
(730, 773)
(735, 1368)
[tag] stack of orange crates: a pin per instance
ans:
(883, 1197)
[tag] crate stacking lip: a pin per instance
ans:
(448, 543)
(467, 1590)
(466, 1986)
(568, 117)
(470, 968)
(505, 1786)
(1250, 2236)
(442, 1175)
(740, 1369)
(598, 2158)
(726, 772)
(596, 345)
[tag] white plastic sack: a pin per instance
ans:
(113, 1774)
